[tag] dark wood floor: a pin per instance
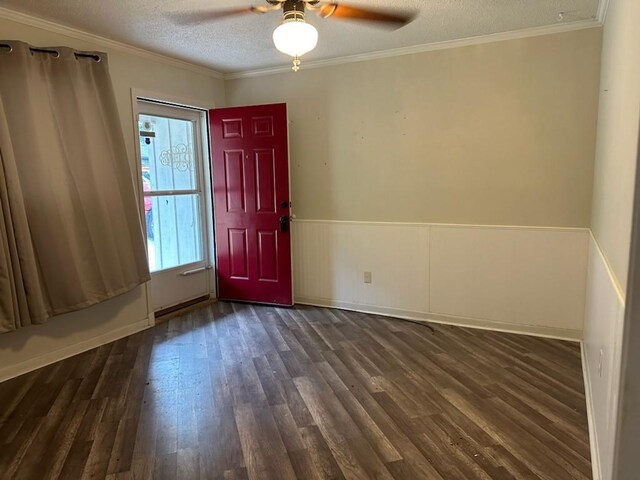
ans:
(236, 391)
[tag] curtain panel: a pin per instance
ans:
(70, 227)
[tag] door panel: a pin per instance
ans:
(250, 166)
(267, 255)
(238, 254)
(265, 181)
(234, 180)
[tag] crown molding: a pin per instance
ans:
(428, 47)
(48, 25)
(603, 8)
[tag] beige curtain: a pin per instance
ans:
(70, 230)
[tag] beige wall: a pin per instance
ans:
(499, 133)
(615, 167)
(124, 314)
(618, 123)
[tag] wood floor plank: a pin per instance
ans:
(321, 456)
(252, 392)
(370, 430)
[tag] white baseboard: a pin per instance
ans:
(534, 330)
(593, 439)
(71, 350)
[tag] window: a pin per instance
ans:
(172, 185)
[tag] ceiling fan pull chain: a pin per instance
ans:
(296, 64)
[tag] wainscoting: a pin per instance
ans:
(519, 279)
(601, 358)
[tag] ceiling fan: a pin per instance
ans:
(294, 36)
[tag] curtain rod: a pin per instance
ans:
(93, 56)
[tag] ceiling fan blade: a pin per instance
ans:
(395, 19)
(203, 16)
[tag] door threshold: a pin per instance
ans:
(166, 314)
(254, 302)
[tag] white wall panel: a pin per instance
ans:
(515, 278)
(601, 355)
(511, 275)
(330, 259)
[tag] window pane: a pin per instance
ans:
(173, 230)
(168, 161)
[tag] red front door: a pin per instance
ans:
(250, 168)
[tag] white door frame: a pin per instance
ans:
(204, 165)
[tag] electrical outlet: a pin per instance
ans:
(367, 277)
(600, 361)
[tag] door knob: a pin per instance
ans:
(284, 224)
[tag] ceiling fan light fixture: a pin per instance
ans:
(295, 37)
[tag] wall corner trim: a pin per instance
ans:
(78, 34)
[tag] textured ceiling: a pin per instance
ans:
(244, 43)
